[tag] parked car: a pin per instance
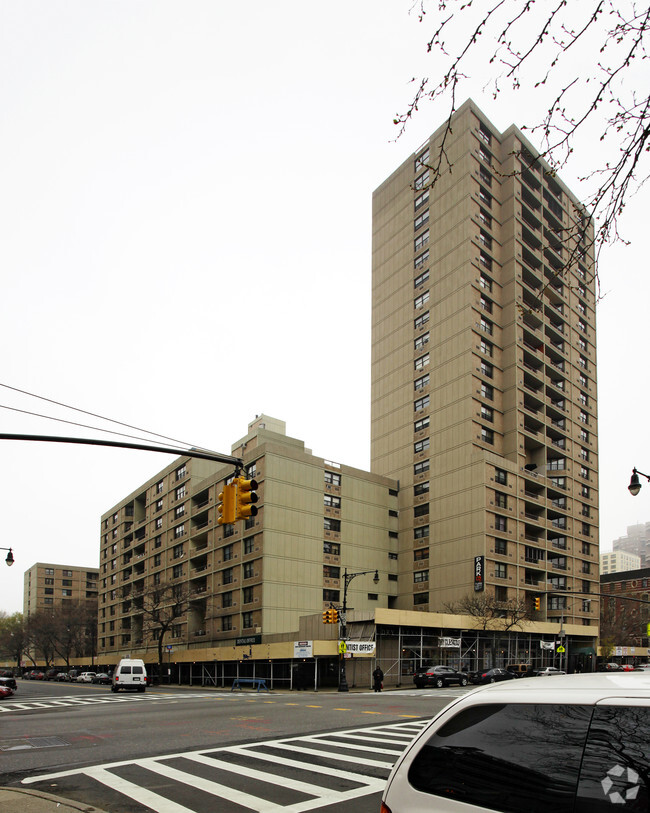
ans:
(51, 674)
(577, 743)
(608, 667)
(5, 691)
(35, 674)
(490, 676)
(519, 669)
(547, 671)
(10, 682)
(86, 677)
(73, 674)
(61, 676)
(102, 678)
(439, 676)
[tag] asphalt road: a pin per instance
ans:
(69, 730)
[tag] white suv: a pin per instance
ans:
(576, 744)
(86, 677)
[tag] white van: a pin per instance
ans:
(130, 673)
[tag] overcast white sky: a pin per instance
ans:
(185, 201)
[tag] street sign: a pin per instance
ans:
(169, 648)
(342, 647)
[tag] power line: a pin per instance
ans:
(74, 423)
(95, 415)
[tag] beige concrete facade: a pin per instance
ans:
(254, 579)
(47, 586)
(484, 402)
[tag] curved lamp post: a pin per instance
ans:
(10, 557)
(635, 485)
(347, 578)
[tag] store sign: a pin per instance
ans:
(479, 568)
(360, 647)
(248, 640)
(449, 643)
(547, 644)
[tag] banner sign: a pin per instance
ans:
(303, 649)
(479, 567)
(547, 644)
(360, 647)
(449, 643)
(248, 640)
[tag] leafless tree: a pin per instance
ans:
(538, 46)
(490, 613)
(14, 638)
(163, 606)
(620, 622)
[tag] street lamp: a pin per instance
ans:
(10, 557)
(635, 485)
(347, 578)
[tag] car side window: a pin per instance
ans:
(125, 670)
(137, 670)
(520, 758)
(616, 768)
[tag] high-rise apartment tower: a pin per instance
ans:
(484, 375)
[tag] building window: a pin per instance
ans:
(421, 341)
(421, 488)
(421, 576)
(421, 320)
(421, 382)
(249, 545)
(422, 532)
(421, 220)
(420, 598)
(180, 492)
(422, 362)
(421, 403)
(420, 554)
(421, 181)
(331, 572)
(487, 391)
(158, 523)
(179, 511)
(486, 347)
(332, 478)
(181, 471)
(421, 445)
(501, 477)
(330, 524)
(177, 571)
(421, 279)
(485, 197)
(228, 552)
(500, 523)
(421, 260)
(486, 326)
(501, 547)
(422, 423)
(179, 530)
(227, 576)
(226, 623)
(583, 417)
(331, 501)
(500, 570)
(421, 510)
(421, 467)
(487, 413)
(421, 240)
(485, 282)
(159, 487)
(485, 218)
(422, 159)
(500, 499)
(487, 369)
(331, 595)
(421, 300)
(421, 200)
(332, 548)
(487, 435)
(247, 620)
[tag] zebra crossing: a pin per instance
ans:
(89, 700)
(288, 775)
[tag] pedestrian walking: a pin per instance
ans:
(378, 679)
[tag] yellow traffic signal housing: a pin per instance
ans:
(326, 616)
(227, 507)
(537, 603)
(245, 498)
(335, 616)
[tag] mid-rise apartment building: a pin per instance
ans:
(253, 579)
(48, 586)
(636, 541)
(618, 561)
(484, 402)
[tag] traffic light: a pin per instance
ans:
(538, 603)
(227, 505)
(245, 498)
(326, 616)
(335, 616)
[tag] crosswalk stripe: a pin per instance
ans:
(135, 792)
(333, 755)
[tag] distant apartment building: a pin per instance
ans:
(48, 586)
(251, 579)
(484, 401)
(618, 561)
(636, 541)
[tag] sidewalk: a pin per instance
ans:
(33, 801)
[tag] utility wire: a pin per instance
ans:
(95, 415)
(82, 425)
